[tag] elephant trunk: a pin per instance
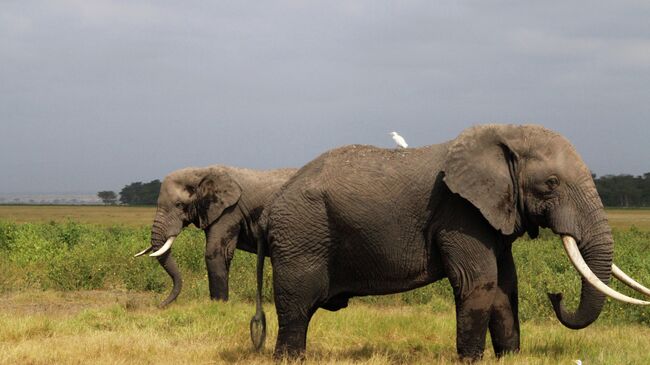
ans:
(597, 251)
(169, 264)
(159, 235)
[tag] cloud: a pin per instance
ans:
(92, 90)
(103, 13)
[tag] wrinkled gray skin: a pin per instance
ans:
(226, 202)
(361, 220)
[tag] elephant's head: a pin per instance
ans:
(190, 195)
(525, 177)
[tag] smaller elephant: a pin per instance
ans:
(226, 202)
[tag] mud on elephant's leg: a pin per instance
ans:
(472, 271)
(219, 251)
(472, 318)
(504, 319)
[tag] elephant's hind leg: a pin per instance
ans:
(299, 287)
(504, 320)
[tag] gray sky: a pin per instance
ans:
(97, 94)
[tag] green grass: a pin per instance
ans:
(71, 256)
(71, 292)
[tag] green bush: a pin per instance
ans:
(7, 235)
(73, 256)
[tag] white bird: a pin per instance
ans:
(578, 362)
(399, 140)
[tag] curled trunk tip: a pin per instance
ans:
(595, 266)
(169, 264)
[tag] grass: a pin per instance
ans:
(139, 216)
(71, 292)
(118, 327)
(628, 218)
(102, 215)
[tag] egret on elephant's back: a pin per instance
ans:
(399, 140)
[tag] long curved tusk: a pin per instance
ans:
(165, 247)
(143, 251)
(620, 275)
(571, 248)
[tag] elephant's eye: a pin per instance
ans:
(552, 182)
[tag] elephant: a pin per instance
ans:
(226, 203)
(360, 220)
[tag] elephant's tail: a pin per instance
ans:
(258, 322)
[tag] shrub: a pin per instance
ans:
(73, 256)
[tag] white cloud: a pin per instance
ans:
(113, 13)
(633, 53)
(545, 43)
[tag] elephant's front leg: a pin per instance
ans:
(504, 320)
(472, 271)
(219, 250)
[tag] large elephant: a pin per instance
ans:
(226, 202)
(361, 220)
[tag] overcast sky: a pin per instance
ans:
(98, 94)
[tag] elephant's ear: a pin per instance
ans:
(214, 193)
(481, 167)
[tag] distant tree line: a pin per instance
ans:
(614, 190)
(137, 193)
(624, 190)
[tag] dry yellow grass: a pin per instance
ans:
(139, 216)
(626, 218)
(104, 215)
(126, 328)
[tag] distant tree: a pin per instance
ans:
(139, 193)
(624, 190)
(108, 197)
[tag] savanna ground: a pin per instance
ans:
(71, 293)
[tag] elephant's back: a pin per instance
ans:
(368, 170)
(353, 183)
(271, 179)
(362, 167)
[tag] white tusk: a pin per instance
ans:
(571, 248)
(143, 252)
(620, 275)
(165, 247)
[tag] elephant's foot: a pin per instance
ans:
(470, 358)
(505, 351)
(504, 329)
(290, 354)
(291, 350)
(218, 295)
(292, 340)
(218, 286)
